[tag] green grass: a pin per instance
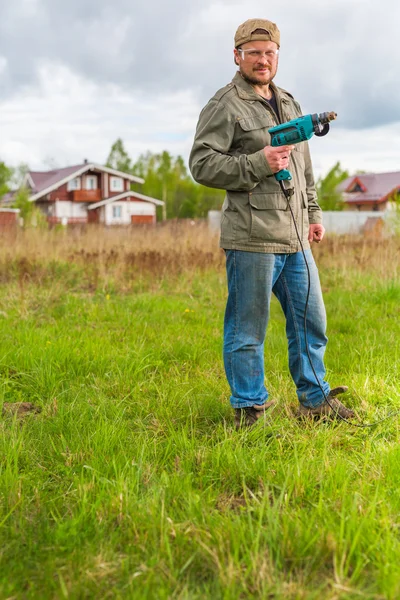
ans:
(132, 483)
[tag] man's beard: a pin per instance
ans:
(255, 81)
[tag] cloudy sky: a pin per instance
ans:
(77, 74)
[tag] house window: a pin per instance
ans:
(116, 184)
(355, 188)
(91, 183)
(74, 184)
(117, 212)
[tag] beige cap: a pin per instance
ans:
(245, 32)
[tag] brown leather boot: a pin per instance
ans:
(334, 410)
(247, 417)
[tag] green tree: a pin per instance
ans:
(209, 199)
(26, 207)
(328, 196)
(31, 215)
(118, 158)
(5, 178)
(167, 178)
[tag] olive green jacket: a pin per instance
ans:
(228, 153)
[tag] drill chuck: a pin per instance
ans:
(326, 117)
(321, 122)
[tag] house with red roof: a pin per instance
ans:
(90, 193)
(370, 191)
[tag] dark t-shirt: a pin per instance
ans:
(274, 105)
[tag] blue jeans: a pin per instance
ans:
(252, 277)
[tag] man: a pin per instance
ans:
(232, 151)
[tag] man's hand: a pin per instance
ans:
(278, 157)
(316, 233)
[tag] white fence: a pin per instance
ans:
(334, 221)
(347, 221)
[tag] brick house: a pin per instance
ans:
(370, 191)
(90, 193)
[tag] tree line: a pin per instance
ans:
(167, 178)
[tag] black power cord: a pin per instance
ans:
(288, 193)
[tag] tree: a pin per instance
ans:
(209, 199)
(164, 171)
(328, 196)
(31, 215)
(118, 158)
(26, 207)
(5, 177)
(167, 178)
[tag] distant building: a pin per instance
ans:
(90, 193)
(370, 191)
(9, 217)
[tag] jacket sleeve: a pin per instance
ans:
(210, 160)
(314, 209)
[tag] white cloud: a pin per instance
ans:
(68, 118)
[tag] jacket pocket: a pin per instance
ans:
(270, 218)
(252, 133)
(256, 122)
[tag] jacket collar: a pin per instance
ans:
(246, 91)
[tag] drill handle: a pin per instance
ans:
(283, 175)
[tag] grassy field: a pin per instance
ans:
(132, 483)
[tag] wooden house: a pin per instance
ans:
(90, 193)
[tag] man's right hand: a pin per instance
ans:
(278, 157)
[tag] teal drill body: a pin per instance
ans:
(299, 130)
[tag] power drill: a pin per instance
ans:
(299, 130)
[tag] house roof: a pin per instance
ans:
(44, 182)
(132, 195)
(378, 186)
(41, 180)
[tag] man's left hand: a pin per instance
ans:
(316, 233)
